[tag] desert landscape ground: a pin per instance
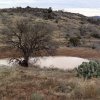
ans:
(75, 36)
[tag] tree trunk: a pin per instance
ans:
(24, 62)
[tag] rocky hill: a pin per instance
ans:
(68, 27)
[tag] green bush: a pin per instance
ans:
(36, 96)
(74, 41)
(88, 70)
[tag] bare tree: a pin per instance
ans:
(30, 38)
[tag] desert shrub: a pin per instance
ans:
(94, 20)
(50, 10)
(62, 88)
(88, 70)
(49, 14)
(82, 30)
(57, 20)
(74, 41)
(36, 96)
(93, 46)
(89, 30)
(95, 35)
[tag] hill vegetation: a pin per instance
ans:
(65, 24)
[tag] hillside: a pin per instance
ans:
(70, 30)
(66, 24)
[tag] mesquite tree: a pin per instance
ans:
(30, 38)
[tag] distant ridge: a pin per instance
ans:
(98, 17)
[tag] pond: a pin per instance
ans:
(61, 62)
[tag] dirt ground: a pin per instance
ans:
(64, 51)
(79, 52)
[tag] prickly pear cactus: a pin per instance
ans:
(88, 70)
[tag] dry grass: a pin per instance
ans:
(85, 90)
(34, 83)
(45, 84)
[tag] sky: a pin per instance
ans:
(85, 7)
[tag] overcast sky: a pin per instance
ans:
(86, 7)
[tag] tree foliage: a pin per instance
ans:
(30, 38)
